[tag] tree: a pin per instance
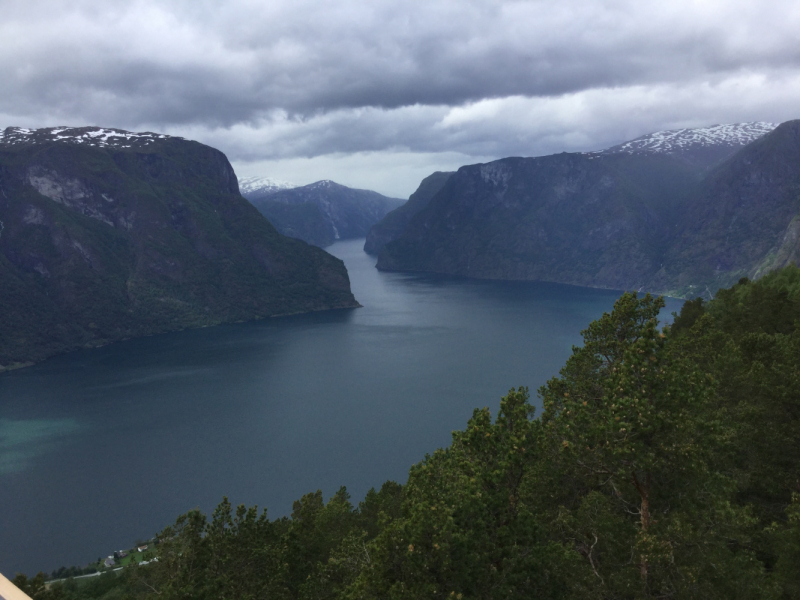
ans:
(467, 530)
(634, 441)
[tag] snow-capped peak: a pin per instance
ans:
(266, 185)
(730, 135)
(99, 137)
(325, 183)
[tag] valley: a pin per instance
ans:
(104, 446)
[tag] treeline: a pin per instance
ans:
(665, 464)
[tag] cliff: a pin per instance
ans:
(581, 219)
(106, 235)
(394, 223)
(682, 213)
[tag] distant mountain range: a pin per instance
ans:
(681, 212)
(107, 234)
(319, 213)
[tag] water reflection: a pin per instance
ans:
(23, 440)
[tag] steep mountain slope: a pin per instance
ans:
(744, 219)
(108, 234)
(394, 223)
(304, 221)
(569, 218)
(649, 214)
(347, 212)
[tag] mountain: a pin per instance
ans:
(569, 218)
(259, 187)
(650, 214)
(346, 212)
(394, 223)
(107, 234)
(304, 221)
(701, 148)
(743, 221)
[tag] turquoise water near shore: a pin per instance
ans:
(101, 447)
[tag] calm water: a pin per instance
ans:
(99, 448)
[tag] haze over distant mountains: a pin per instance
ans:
(319, 213)
(107, 234)
(682, 212)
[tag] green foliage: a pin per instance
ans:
(108, 586)
(788, 543)
(467, 529)
(635, 432)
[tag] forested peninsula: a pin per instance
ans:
(665, 463)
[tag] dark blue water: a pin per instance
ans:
(99, 448)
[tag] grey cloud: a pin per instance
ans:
(518, 125)
(281, 80)
(225, 63)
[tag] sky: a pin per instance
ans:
(377, 94)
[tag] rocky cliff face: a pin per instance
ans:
(394, 223)
(108, 234)
(650, 216)
(347, 213)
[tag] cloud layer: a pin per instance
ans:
(286, 80)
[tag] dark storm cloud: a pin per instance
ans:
(228, 62)
(305, 78)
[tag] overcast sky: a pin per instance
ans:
(377, 93)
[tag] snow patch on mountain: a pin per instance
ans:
(324, 184)
(730, 135)
(99, 137)
(262, 185)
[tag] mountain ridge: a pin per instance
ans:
(324, 211)
(731, 134)
(613, 219)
